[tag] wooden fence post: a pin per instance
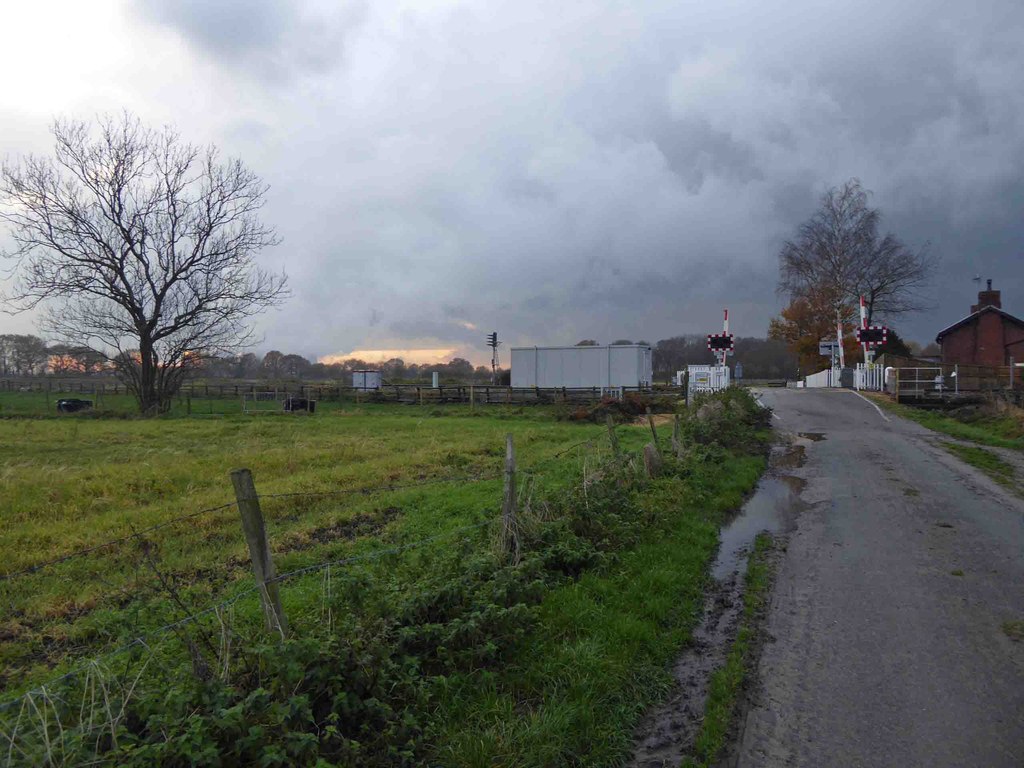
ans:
(677, 442)
(509, 531)
(612, 437)
(259, 549)
(472, 399)
(652, 460)
(653, 432)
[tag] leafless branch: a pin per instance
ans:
(142, 246)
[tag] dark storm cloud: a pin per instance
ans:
(607, 170)
(276, 38)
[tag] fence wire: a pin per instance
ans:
(135, 535)
(36, 700)
(113, 542)
(142, 639)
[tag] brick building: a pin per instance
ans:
(987, 336)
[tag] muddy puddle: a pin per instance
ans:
(666, 734)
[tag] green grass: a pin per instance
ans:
(601, 654)
(997, 431)
(986, 461)
(73, 482)
(1014, 630)
(443, 650)
(727, 681)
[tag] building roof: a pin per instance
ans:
(974, 316)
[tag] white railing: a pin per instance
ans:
(869, 377)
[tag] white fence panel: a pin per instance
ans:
(870, 378)
(830, 377)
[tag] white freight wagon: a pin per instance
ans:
(615, 366)
(366, 380)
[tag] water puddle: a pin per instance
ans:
(667, 732)
(769, 509)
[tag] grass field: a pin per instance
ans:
(1002, 428)
(571, 643)
(71, 483)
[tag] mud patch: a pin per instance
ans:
(666, 734)
(353, 528)
(814, 437)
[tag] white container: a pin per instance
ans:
(626, 365)
(366, 380)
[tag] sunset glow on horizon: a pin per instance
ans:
(417, 356)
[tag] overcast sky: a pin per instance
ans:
(558, 170)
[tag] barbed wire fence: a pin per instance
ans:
(87, 703)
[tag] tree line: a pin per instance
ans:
(280, 365)
(29, 355)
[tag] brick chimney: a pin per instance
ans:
(987, 298)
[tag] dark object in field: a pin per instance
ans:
(73, 405)
(293, 404)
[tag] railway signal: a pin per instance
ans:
(872, 335)
(492, 342)
(721, 342)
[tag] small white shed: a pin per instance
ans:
(625, 365)
(366, 380)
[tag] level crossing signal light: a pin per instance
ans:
(492, 342)
(873, 335)
(721, 342)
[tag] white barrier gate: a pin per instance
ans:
(830, 377)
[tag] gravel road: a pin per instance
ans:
(888, 642)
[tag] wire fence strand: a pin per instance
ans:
(112, 542)
(141, 640)
(144, 639)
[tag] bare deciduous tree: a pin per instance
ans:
(839, 253)
(142, 247)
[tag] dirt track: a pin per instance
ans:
(887, 630)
